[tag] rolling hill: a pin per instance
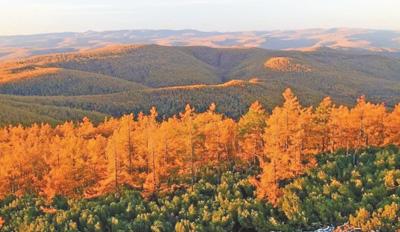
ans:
(69, 82)
(131, 78)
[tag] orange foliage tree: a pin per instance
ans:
(286, 147)
(250, 133)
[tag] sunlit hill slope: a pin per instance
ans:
(131, 78)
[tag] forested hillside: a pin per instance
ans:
(14, 112)
(116, 80)
(296, 168)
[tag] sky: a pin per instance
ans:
(44, 16)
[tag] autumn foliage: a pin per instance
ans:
(141, 152)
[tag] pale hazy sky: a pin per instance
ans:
(42, 16)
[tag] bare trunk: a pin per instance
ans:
(129, 149)
(192, 154)
(154, 171)
(116, 169)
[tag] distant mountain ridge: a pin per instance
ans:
(340, 38)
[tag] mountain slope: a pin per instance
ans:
(122, 79)
(68, 83)
(154, 66)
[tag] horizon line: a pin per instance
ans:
(198, 30)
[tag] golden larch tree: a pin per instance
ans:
(285, 146)
(250, 133)
(392, 126)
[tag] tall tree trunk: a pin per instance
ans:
(154, 171)
(192, 153)
(129, 149)
(116, 168)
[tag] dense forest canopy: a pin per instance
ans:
(261, 172)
